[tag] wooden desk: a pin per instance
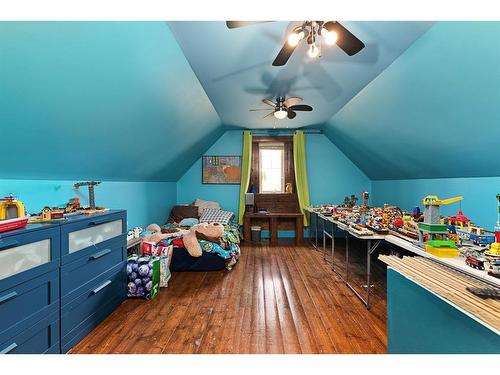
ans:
(274, 218)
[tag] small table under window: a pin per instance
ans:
(274, 219)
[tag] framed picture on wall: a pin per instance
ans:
(217, 169)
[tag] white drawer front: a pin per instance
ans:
(84, 238)
(24, 257)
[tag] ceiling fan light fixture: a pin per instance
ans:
(313, 51)
(280, 114)
(330, 37)
(295, 37)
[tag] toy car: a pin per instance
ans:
(494, 268)
(474, 262)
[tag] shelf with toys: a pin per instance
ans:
(454, 240)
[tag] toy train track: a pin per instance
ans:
(449, 283)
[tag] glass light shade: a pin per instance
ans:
(293, 39)
(313, 51)
(280, 114)
(330, 37)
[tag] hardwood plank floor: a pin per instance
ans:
(282, 299)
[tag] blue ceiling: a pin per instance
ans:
(103, 100)
(435, 112)
(234, 67)
(141, 101)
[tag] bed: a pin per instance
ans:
(215, 256)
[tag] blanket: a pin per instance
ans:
(228, 247)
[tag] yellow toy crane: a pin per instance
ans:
(433, 200)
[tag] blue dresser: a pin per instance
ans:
(59, 281)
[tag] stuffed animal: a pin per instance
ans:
(157, 234)
(213, 231)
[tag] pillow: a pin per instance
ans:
(188, 222)
(211, 215)
(202, 205)
(180, 212)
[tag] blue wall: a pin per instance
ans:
(479, 202)
(433, 113)
(189, 186)
(331, 174)
(116, 101)
(146, 202)
(420, 322)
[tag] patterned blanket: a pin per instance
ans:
(228, 248)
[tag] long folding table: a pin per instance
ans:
(372, 243)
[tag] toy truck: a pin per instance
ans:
(474, 262)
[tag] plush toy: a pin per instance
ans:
(211, 231)
(157, 235)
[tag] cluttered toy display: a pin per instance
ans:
(14, 215)
(453, 237)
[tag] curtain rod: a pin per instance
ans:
(284, 131)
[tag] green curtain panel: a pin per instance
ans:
(299, 162)
(246, 166)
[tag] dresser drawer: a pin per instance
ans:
(83, 237)
(28, 255)
(87, 310)
(42, 337)
(26, 303)
(77, 274)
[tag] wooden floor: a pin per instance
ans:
(281, 299)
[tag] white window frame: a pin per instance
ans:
(272, 146)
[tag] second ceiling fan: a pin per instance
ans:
(310, 31)
(284, 107)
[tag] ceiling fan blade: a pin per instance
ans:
(345, 39)
(292, 101)
(260, 109)
(270, 114)
(301, 107)
(236, 24)
(269, 102)
(291, 114)
(284, 54)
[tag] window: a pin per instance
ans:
(272, 171)
(272, 165)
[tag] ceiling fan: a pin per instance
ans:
(284, 108)
(332, 32)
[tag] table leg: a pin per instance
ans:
(324, 240)
(346, 257)
(316, 229)
(334, 230)
(274, 231)
(246, 228)
(299, 230)
(368, 272)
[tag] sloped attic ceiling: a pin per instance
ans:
(234, 67)
(434, 113)
(99, 100)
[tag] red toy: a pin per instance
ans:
(474, 262)
(11, 224)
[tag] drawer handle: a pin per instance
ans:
(97, 222)
(7, 297)
(4, 244)
(101, 287)
(100, 254)
(9, 348)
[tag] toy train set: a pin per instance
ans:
(444, 237)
